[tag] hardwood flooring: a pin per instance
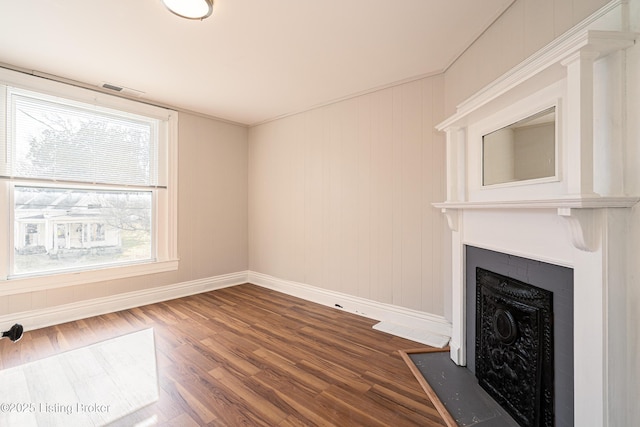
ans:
(248, 356)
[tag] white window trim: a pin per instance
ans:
(166, 212)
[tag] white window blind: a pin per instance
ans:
(54, 139)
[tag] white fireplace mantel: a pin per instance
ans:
(578, 219)
(578, 213)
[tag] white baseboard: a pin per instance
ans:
(456, 354)
(36, 319)
(371, 309)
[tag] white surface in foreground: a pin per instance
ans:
(90, 386)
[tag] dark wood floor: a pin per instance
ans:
(250, 356)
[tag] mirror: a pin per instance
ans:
(524, 150)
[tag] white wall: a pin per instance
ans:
(340, 197)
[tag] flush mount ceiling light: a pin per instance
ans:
(190, 9)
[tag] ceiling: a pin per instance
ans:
(252, 60)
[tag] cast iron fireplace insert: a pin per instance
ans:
(514, 347)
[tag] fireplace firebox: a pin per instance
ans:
(512, 273)
(514, 347)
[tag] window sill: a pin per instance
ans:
(38, 283)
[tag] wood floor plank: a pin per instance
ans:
(335, 374)
(410, 408)
(197, 404)
(286, 374)
(341, 409)
(250, 356)
(183, 420)
(255, 397)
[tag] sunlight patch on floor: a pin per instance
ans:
(90, 386)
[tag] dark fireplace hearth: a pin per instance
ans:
(514, 347)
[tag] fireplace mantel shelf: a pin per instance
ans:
(555, 203)
(582, 225)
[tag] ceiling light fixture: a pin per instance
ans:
(190, 9)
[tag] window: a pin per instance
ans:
(90, 181)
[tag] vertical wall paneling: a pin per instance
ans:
(396, 225)
(430, 189)
(298, 213)
(411, 200)
(512, 48)
(333, 215)
(352, 210)
(562, 16)
(313, 176)
(538, 24)
(382, 221)
(440, 240)
(364, 179)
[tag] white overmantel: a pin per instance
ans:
(581, 74)
(578, 218)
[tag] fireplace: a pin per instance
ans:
(515, 288)
(514, 347)
(576, 217)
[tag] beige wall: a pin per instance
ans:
(212, 204)
(212, 217)
(339, 197)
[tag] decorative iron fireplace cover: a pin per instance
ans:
(514, 347)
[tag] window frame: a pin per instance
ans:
(165, 198)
